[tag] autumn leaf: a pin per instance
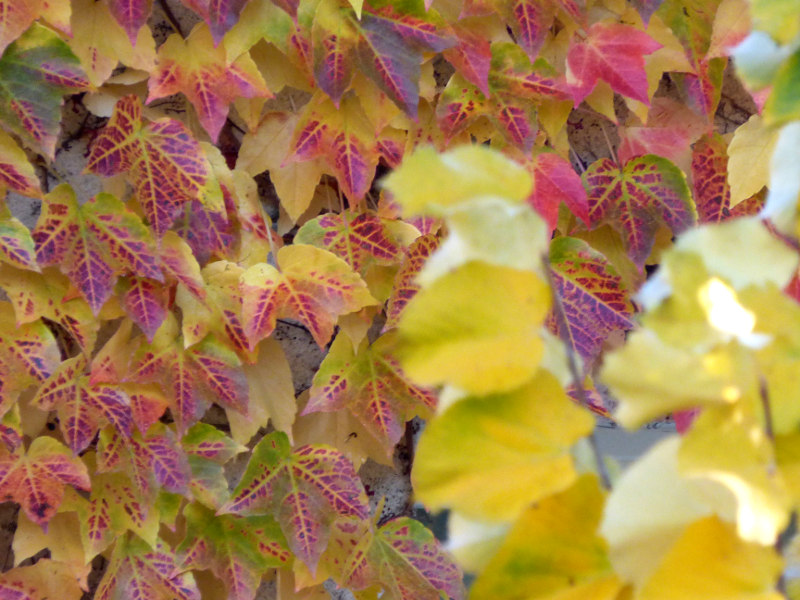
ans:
(358, 239)
(369, 383)
(520, 440)
(83, 408)
(556, 182)
(16, 171)
(203, 73)
(386, 43)
(343, 137)
(637, 199)
(310, 285)
(614, 53)
(36, 479)
(36, 71)
(592, 295)
(165, 163)
(29, 355)
(191, 377)
(207, 450)
(219, 15)
(146, 302)
(131, 15)
(17, 247)
(471, 55)
(402, 556)
(238, 550)
(405, 284)
(45, 579)
(303, 489)
(748, 162)
(93, 243)
(136, 570)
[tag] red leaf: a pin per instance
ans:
(313, 286)
(303, 489)
(203, 74)
(146, 303)
(614, 53)
(36, 479)
(163, 161)
(137, 571)
(372, 386)
(710, 179)
(131, 15)
(471, 57)
(220, 15)
(405, 286)
(671, 143)
(93, 243)
(356, 239)
(83, 408)
(530, 21)
(635, 200)
(555, 181)
(593, 297)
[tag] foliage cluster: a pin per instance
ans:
(503, 277)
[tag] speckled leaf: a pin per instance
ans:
(28, 355)
(115, 507)
(344, 137)
(139, 572)
(372, 386)
(93, 243)
(614, 53)
(313, 286)
(146, 302)
(593, 297)
(357, 239)
(45, 579)
(16, 243)
(405, 285)
(50, 295)
(303, 489)
(16, 171)
(131, 15)
(460, 104)
(238, 550)
(220, 15)
(404, 558)
(554, 182)
(712, 193)
(161, 159)
(205, 76)
(206, 371)
(36, 71)
(37, 478)
(637, 199)
(83, 408)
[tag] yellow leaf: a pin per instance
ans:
(429, 182)
(473, 543)
(476, 328)
(553, 552)
(749, 156)
(519, 441)
(271, 394)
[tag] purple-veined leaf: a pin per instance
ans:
(36, 479)
(405, 286)
(93, 243)
(593, 297)
(138, 571)
(219, 15)
(637, 199)
(146, 303)
(131, 15)
(83, 408)
(471, 57)
(304, 490)
(164, 162)
(372, 386)
(16, 171)
(238, 550)
(17, 247)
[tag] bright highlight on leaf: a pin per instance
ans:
(723, 309)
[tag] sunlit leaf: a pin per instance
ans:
(520, 440)
(45, 579)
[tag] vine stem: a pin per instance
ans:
(572, 363)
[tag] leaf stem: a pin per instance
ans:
(763, 392)
(572, 363)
